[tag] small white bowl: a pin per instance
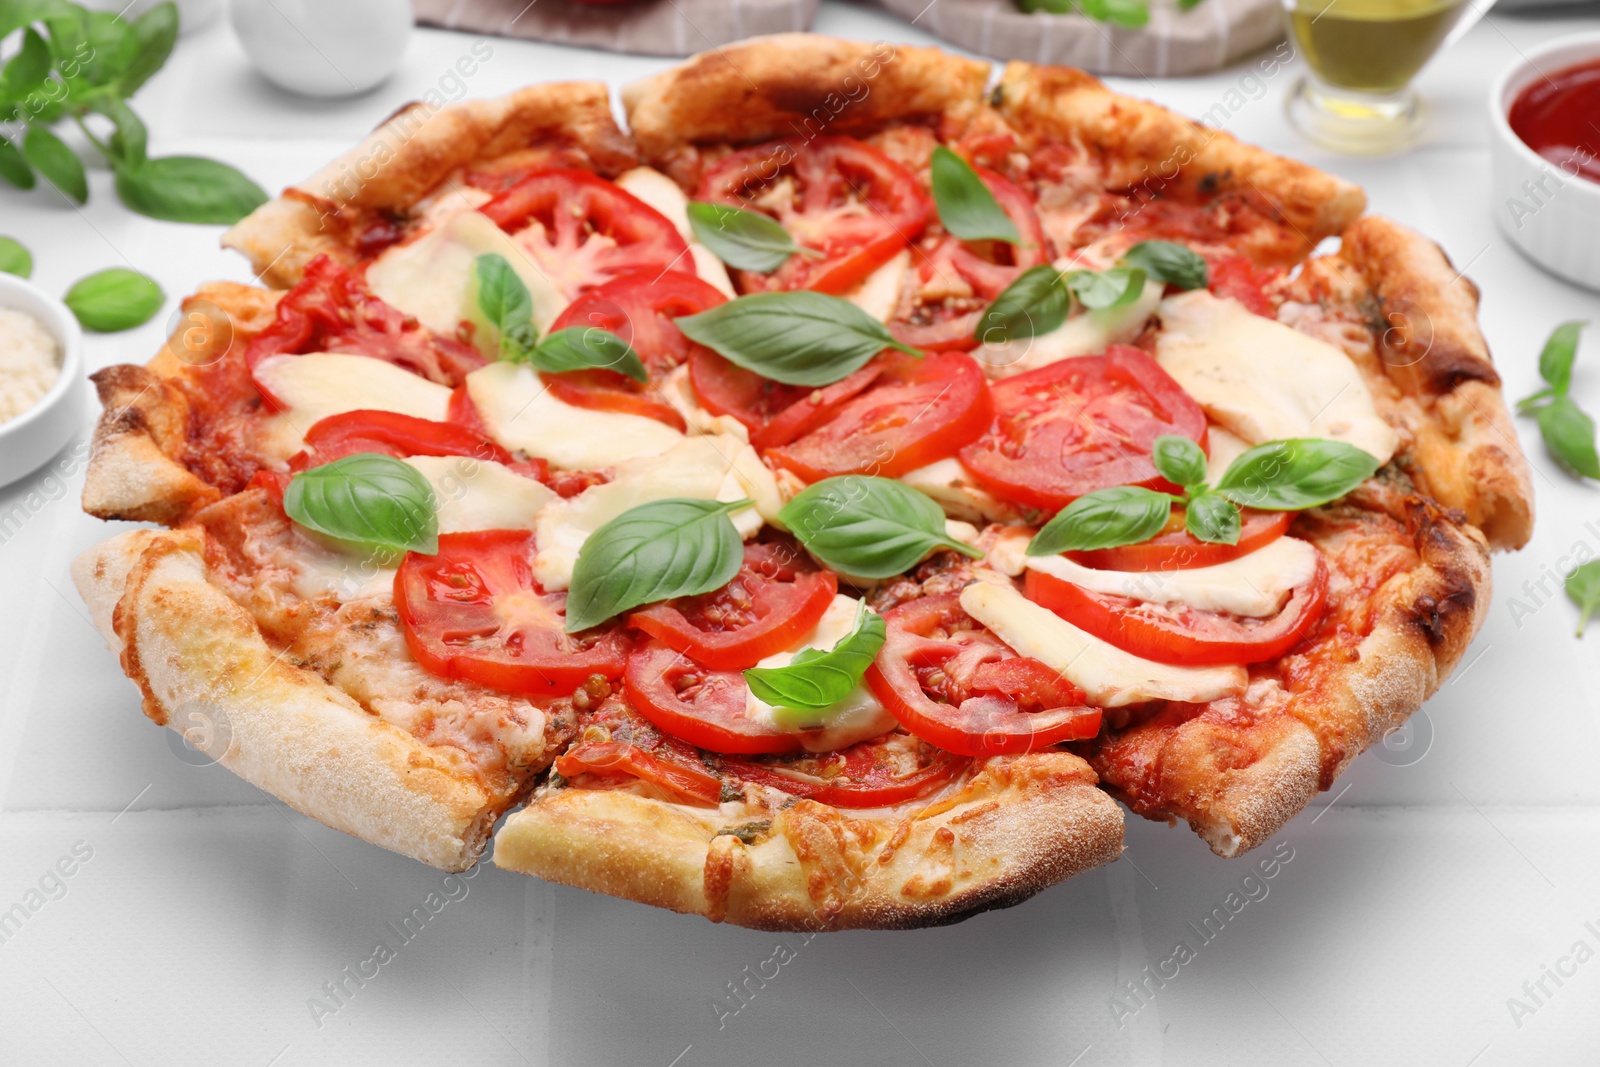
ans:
(1550, 214)
(28, 441)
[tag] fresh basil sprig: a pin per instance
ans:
(114, 299)
(656, 551)
(797, 338)
(1567, 429)
(372, 501)
(1292, 475)
(1583, 588)
(507, 306)
(868, 527)
(14, 258)
(1170, 263)
(1039, 299)
(966, 206)
(743, 239)
(817, 679)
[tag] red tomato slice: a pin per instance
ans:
(957, 280)
(475, 612)
(699, 705)
(835, 195)
(1178, 633)
(952, 683)
(777, 597)
(396, 435)
(919, 411)
(870, 774)
(618, 759)
(1078, 425)
(774, 413)
(583, 231)
(1239, 277)
(1174, 548)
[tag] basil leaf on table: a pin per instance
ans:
(1105, 518)
(1169, 262)
(966, 206)
(50, 156)
(1179, 460)
(656, 551)
(1035, 303)
(1583, 587)
(1113, 287)
(1212, 517)
(130, 139)
(154, 34)
(817, 679)
(14, 258)
(14, 167)
(1295, 474)
(1134, 14)
(744, 239)
(797, 338)
(1556, 359)
(27, 70)
(585, 348)
(1569, 435)
(188, 189)
(372, 501)
(115, 299)
(868, 527)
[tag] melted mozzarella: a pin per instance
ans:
(1263, 380)
(313, 386)
(1109, 676)
(475, 494)
(663, 194)
(879, 292)
(947, 482)
(1222, 448)
(1255, 585)
(1081, 335)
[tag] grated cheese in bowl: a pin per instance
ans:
(30, 362)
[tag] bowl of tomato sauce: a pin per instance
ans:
(1544, 114)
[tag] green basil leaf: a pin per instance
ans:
(1169, 262)
(1212, 517)
(14, 258)
(744, 239)
(51, 157)
(14, 166)
(1583, 586)
(1569, 435)
(129, 140)
(868, 527)
(585, 348)
(1113, 287)
(1530, 403)
(27, 70)
(1034, 304)
(154, 34)
(111, 46)
(1179, 460)
(115, 299)
(1105, 518)
(797, 338)
(966, 206)
(1133, 14)
(370, 501)
(15, 14)
(505, 303)
(1555, 362)
(656, 551)
(1296, 474)
(1053, 7)
(188, 189)
(817, 679)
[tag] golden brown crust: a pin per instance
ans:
(1017, 825)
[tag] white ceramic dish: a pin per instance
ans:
(30, 439)
(1552, 216)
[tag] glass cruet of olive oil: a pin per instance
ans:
(1362, 55)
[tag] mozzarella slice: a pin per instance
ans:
(521, 414)
(1255, 585)
(1081, 335)
(857, 717)
(320, 570)
(1109, 677)
(663, 194)
(1263, 380)
(313, 386)
(1222, 448)
(879, 292)
(949, 485)
(480, 494)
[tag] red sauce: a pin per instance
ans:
(1556, 116)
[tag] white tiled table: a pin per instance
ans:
(1418, 899)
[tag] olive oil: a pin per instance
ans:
(1370, 46)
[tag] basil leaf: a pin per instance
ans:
(656, 551)
(1555, 362)
(154, 34)
(1583, 586)
(1111, 288)
(14, 258)
(1569, 435)
(28, 69)
(368, 500)
(51, 157)
(797, 338)
(1211, 517)
(747, 240)
(1179, 460)
(130, 138)
(868, 527)
(1035, 303)
(188, 189)
(115, 299)
(14, 166)
(815, 679)
(1105, 518)
(1133, 14)
(966, 206)
(111, 46)
(585, 348)
(503, 298)
(1296, 474)
(1169, 262)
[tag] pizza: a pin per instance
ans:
(826, 503)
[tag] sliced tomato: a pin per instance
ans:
(696, 704)
(918, 411)
(951, 682)
(868, 774)
(583, 231)
(845, 200)
(957, 280)
(475, 612)
(774, 413)
(1174, 548)
(1078, 425)
(1178, 633)
(397, 435)
(1237, 276)
(618, 759)
(777, 597)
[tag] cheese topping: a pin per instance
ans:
(480, 494)
(1265, 381)
(1083, 334)
(949, 485)
(879, 292)
(1222, 449)
(313, 386)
